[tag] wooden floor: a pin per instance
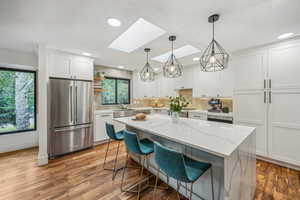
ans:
(81, 176)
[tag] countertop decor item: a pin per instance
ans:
(214, 57)
(147, 74)
(176, 106)
(140, 117)
(172, 68)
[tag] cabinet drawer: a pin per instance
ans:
(202, 116)
(66, 141)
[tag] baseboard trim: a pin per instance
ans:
(42, 159)
(277, 162)
(100, 142)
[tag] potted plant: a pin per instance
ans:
(176, 106)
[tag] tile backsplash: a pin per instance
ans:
(197, 103)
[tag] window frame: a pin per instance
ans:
(35, 100)
(116, 90)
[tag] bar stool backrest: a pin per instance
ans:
(110, 131)
(170, 162)
(132, 143)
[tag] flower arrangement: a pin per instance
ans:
(178, 103)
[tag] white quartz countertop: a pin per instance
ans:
(217, 138)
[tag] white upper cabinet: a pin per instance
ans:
(59, 65)
(64, 65)
(186, 80)
(284, 67)
(225, 82)
(144, 89)
(82, 68)
(249, 71)
(204, 83)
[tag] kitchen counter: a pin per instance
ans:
(229, 148)
(217, 138)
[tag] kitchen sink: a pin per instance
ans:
(123, 113)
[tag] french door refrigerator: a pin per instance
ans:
(71, 121)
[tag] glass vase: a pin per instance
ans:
(175, 117)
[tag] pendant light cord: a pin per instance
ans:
(213, 30)
(213, 44)
(147, 57)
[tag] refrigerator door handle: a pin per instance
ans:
(76, 103)
(71, 103)
(72, 128)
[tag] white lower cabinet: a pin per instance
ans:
(198, 115)
(250, 110)
(284, 126)
(99, 125)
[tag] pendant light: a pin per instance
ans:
(214, 57)
(147, 73)
(172, 68)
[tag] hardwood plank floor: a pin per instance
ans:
(81, 176)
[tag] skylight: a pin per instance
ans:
(179, 53)
(137, 35)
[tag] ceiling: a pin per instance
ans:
(80, 26)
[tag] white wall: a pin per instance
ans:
(20, 60)
(12, 58)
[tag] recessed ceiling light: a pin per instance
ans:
(285, 35)
(121, 67)
(196, 59)
(137, 35)
(179, 53)
(86, 54)
(114, 22)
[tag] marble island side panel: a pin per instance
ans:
(234, 176)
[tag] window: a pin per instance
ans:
(17, 100)
(116, 91)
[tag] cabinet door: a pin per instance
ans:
(250, 109)
(59, 65)
(204, 84)
(186, 81)
(284, 66)
(249, 71)
(284, 126)
(135, 86)
(225, 82)
(99, 126)
(82, 68)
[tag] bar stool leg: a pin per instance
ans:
(106, 153)
(115, 164)
(191, 192)
(212, 183)
(155, 186)
(123, 175)
(186, 189)
(178, 188)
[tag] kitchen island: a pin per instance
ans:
(229, 148)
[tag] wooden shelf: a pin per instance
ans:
(98, 90)
(97, 79)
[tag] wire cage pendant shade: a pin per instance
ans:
(172, 68)
(147, 73)
(214, 58)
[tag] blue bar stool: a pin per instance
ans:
(116, 136)
(180, 167)
(143, 148)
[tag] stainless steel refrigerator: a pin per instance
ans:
(70, 116)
